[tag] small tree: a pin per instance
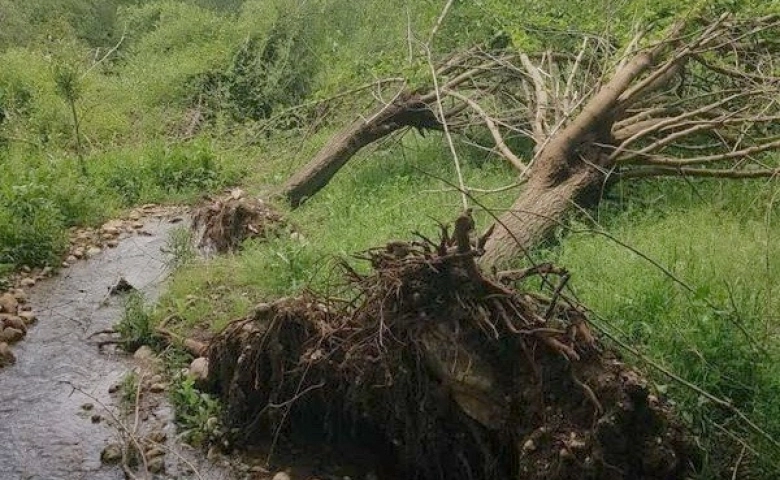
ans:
(67, 79)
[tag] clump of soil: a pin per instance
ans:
(223, 224)
(452, 374)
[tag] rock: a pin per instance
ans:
(28, 318)
(26, 269)
(46, 271)
(87, 407)
(27, 282)
(157, 387)
(9, 303)
(7, 357)
(72, 259)
(13, 321)
(114, 388)
(122, 286)
(78, 253)
(96, 418)
(144, 354)
(111, 454)
(92, 251)
(112, 243)
(199, 369)
(137, 225)
(11, 335)
(155, 452)
(281, 476)
(20, 295)
(157, 436)
(110, 230)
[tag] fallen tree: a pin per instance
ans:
(698, 100)
(449, 373)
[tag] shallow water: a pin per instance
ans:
(44, 432)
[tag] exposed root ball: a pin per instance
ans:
(457, 376)
(228, 221)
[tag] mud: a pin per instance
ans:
(46, 429)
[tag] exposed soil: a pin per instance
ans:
(445, 374)
(224, 223)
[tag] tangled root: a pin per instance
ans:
(455, 375)
(226, 222)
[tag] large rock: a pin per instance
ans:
(9, 304)
(7, 357)
(11, 335)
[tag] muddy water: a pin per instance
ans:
(44, 431)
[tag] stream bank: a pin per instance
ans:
(55, 407)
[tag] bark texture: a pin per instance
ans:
(407, 111)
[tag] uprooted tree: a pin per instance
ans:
(447, 373)
(702, 99)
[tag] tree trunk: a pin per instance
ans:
(409, 110)
(540, 208)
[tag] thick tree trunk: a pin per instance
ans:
(409, 110)
(539, 209)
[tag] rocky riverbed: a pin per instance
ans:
(57, 410)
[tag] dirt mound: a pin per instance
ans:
(450, 373)
(223, 224)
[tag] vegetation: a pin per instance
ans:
(124, 102)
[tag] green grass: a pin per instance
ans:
(41, 195)
(714, 323)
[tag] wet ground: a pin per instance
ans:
(44, 431)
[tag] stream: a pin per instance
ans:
(46, 430)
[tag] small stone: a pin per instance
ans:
(20, 295)
(157, 436)
(212, 454)
(9, 303)
(46, 271)
(114, 388)
(157, 387)
(65, 264)
(7, 357)
(144, 354)
(110, 230)
(11, 335)
(137, 225)
(13, 321)
(71, 259)
(26, 268)
(134, 215)
(78, 253)
(27, 282)
(199, 369)
(28, 318)
(281, 476)
(156, 465)
(87, 407)
(529, 446)
(112, 243)
(96, 418)
(111, 454)
(155, 452)
(92, 251)
(212, 423)
(156, 379)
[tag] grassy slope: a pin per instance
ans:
(718, 238)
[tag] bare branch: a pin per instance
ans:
(494, 131)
